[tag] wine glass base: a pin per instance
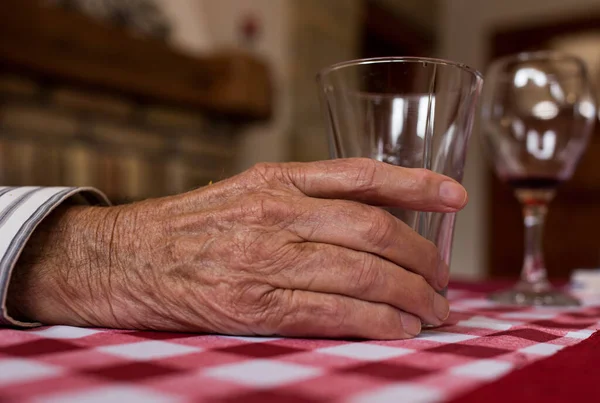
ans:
(529, 295)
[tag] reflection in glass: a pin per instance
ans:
(410, 112)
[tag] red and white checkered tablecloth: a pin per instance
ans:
(480, 343)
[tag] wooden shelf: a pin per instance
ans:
(69, 47)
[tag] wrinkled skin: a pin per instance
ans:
(296, 249)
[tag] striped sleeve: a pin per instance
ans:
(21, 210)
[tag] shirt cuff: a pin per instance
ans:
(21, 211)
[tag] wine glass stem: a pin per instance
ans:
(534, 268)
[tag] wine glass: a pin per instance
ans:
(538, 111)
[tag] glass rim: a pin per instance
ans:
(539, 55)
(398, 59)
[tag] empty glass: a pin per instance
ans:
(537, 115)
(412, 112)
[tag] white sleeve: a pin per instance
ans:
(21, 210)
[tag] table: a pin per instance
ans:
(462, 360)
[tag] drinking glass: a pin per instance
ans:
(537, 114)
(411, 112)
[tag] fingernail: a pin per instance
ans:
(441, 308)
(452, 194)
(410, 323)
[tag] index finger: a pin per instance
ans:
(374, 182)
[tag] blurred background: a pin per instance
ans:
(143, 98)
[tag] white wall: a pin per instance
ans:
(464, 29)
(203, 26)
(263, 142)
(190, 30)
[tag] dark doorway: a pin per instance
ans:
(388, 33)
(571, 237)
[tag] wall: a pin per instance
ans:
(323, 33)
(190, 30)
(269, 141)
(464, 26)
(297, 38)
(202, 26)
(423, 13)
(53, 134)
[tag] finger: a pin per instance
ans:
(336, 270)
(378, 183)
(311, 314)
(369, 229)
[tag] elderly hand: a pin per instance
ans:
(295, 249)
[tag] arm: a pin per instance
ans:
(22, 210)
(295, 249)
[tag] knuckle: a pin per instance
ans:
(367, 274)
(264, 169)
(300, 312)
(269, 307)
(267, 172)
(331, 307)
(365, 175)
(334, 310)
(381, 228)
(423, 175)
(423, 179)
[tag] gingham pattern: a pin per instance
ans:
(481, 342)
